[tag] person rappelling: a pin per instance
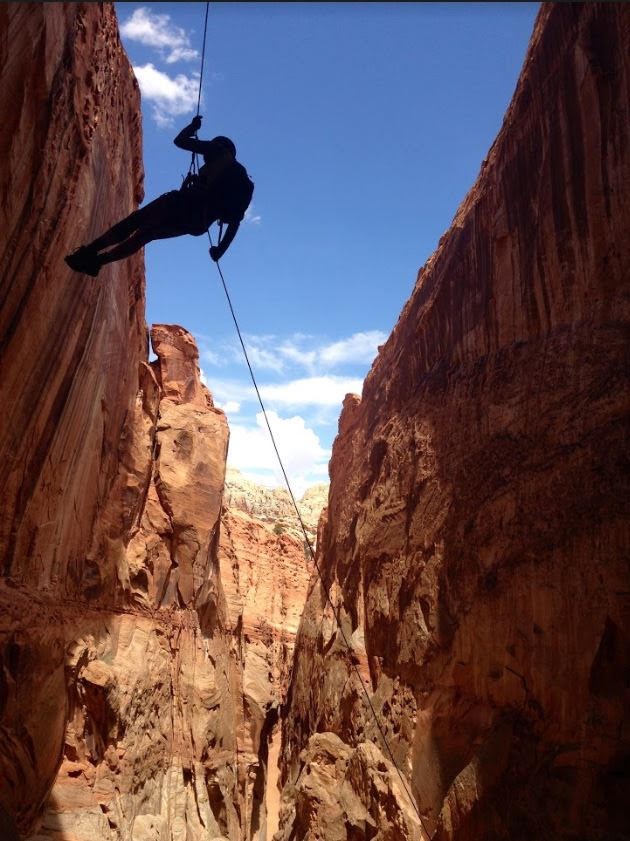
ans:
(220, 191)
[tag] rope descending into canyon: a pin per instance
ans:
(334, 609)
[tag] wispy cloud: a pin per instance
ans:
(325, 391)
(311, 354)
(155, 30)
(171, 97)
(328, 390)
(230, 407)
(211, 357)
(251, 217)
(358, 348)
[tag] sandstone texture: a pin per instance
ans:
(476, 541)
(138, 694)
(345, 792)
(273, 506)
(173, 700)
(147, 696)
(71, 353)
(264, 577)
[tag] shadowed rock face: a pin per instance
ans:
(135, 702)
(71, 350)
(478, 521)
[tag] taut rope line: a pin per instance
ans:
(288, 484)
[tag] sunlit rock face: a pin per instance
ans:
(71, 358)
(136, 702)
(274, 507)
(172, 701)
(265, 578)
(477, 535)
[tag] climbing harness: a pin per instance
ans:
(334, 609)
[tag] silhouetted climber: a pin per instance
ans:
(221, 191)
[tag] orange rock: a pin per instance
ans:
(177, 366)
(477, 522)
(121, 679)
(70, 347)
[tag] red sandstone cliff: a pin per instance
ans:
(136, 700)
(273, 506)
(70, 353)
(477, 534)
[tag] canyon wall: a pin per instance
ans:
(143, 656)
(71, 354)
(476, 541)
(274, 507)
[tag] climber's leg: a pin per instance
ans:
(117, 233)
(151, 215)
(144, 222)
(138, 239)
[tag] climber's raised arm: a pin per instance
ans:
(186, 139)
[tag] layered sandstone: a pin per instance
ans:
(265, 578)
(122, 667)
(477, 534)
(173, 699)
(273, 506)
(71, 356)
(149, 748)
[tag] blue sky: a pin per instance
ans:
(363, 125)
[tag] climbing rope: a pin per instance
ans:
(312, 552)
(203, 55)
(334, 609)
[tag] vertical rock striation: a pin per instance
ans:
(136, 702)
(149, 747)
(70, 354)
(274, 506)
(173, 698)
(477, 533)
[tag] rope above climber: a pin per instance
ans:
(219, 192)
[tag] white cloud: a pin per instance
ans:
(235, 390)
(157, 31)
(316, 357)
(171, 97)
(251, 217)
(231, 407)
(358, 348)
(312, 391)
(304, 358)
(211, 357)
(325, 391)
(261, 358)
(304, 459)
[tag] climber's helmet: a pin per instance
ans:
(226, 144)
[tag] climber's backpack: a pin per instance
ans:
(234, 190)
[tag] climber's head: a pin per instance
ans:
(226, 144)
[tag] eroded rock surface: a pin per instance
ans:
(148, 690)
(346, 792)
(265, 578)
(136, 703)
(273, 506)
(477, 534)
(171, 702)
(71, 355)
